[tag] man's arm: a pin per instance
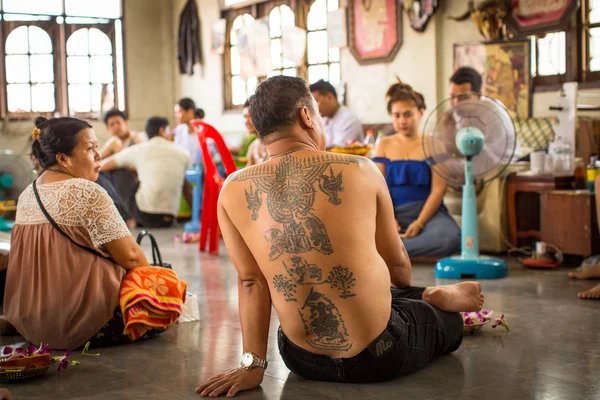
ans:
(389, 245)
(125, 158)
(348, 129)
(255, 313)
(111, 146)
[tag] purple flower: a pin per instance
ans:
(44, 349)
(7, 350)
(468, 321)
(63, 364)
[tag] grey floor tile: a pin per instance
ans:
(552, 351)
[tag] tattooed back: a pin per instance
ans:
(308, 221)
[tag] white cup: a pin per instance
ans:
(538, 162)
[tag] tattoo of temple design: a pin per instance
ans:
(323, 323)
(290, 189)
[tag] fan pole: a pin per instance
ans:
(469, 235)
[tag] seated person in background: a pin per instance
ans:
(121, 137)
(592, 272)
(56, 292)
(257, 152)
(185, 133)
(318, 242)
(341, 125)
(417, 193)
(465, 84)
(160, 166)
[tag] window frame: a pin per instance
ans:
(577, 55)
(59, 34)
(259, 10)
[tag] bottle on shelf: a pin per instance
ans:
(580, 177)
(592, 172)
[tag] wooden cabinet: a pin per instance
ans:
(569, 221)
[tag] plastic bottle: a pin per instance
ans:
(592, 173)
(369, 139)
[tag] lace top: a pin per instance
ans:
(75, 203)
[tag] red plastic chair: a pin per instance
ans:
(213, 182)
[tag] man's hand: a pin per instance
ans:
(413, 230)
(231, 382)
(5, 395)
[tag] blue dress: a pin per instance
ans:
(409, 183)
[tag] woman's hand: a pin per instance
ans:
(231, 382)
(398, 227)
(413, 230)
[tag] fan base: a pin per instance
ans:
(482, 267)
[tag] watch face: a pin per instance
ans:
(247, 360)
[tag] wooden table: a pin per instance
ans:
(568, 221)
(526, 182)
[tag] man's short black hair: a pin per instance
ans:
(154, 124)
(467, 75)
(323, 87)
(274, 107)
(114, 112)
(247, 103)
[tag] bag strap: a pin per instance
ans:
(55, 225)
(155, 251)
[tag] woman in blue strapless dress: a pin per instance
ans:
(423, 221)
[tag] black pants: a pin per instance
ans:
(105, 182)
(416, 334)
(147, 220)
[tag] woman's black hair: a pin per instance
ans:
(57, 135)
(188, 104)
(400, 91)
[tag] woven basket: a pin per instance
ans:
(24, 375)
(473, 328)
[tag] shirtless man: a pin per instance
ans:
(121, 137)
(318, 241)
(592, 272)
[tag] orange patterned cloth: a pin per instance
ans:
(151, 297)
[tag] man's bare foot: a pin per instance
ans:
(460, 297)
(593, 293)
(6, 327)
(592, 272)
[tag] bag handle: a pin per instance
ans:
(55, 225)
(155, 251)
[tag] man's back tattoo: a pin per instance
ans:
(290, 189)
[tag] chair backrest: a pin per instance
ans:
(204, 132)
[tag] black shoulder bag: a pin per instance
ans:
(156, 258)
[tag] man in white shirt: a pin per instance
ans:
(465, 84)
(341, 125)
(160, 166)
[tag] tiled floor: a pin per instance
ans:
(551, 352)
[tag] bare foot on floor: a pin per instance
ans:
(6, 327)
(592, 272)
(460, 297)
(593, 293)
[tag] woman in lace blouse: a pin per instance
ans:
(57, 292)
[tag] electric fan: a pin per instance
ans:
(15, 175)
(473, 140)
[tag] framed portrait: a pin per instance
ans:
(505, 70)
(532, 17)
(375, 30)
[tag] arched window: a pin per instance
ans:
(280, 17)
(29, 70)
(240, 89)
(323, 63)
(90, 71)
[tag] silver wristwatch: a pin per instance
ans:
(250, 360)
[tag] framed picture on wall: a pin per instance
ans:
(375, 30)
(505, 70)
(531, 17)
